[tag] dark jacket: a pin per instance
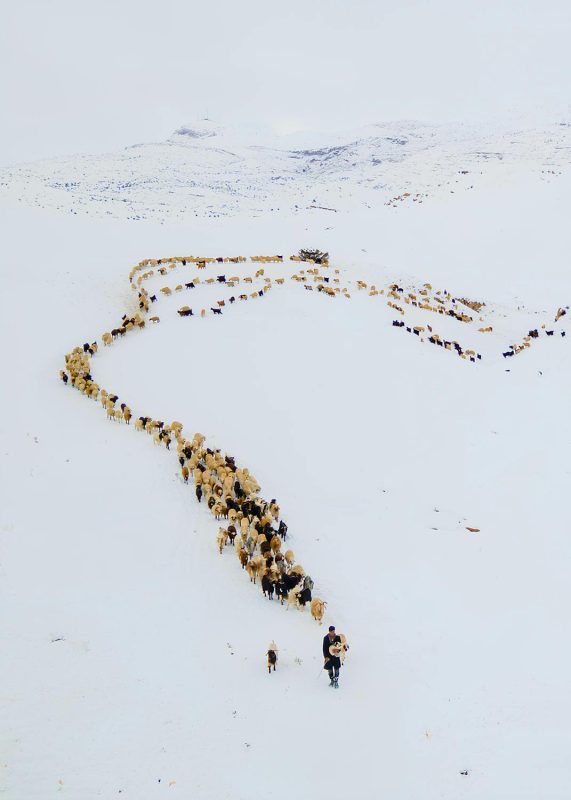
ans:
(334, 661)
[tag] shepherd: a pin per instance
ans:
(333, 649)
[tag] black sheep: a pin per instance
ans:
(281, 590)
(268, 587)
(291, 580)
(304, 596)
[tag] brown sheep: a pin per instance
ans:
(221, 539)
(318, 609)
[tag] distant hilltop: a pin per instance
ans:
(206, 169)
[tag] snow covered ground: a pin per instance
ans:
(134, 658)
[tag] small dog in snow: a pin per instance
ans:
(272, 654)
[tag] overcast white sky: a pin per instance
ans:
(95, 75)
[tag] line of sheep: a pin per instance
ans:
(441, 298)
(436, 339)
(230, 492)
(422, 299)
(514, 349)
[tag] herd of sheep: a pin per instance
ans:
(251, 524)
(230, 493)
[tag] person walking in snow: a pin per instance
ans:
(332, 661)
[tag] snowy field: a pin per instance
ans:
(134, 654)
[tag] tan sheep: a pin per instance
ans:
(317, 607)
(221, 539)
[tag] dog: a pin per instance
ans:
(272, 656)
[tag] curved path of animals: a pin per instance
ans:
(254, 526)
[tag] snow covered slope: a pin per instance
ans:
(212, 171)
(135, 654)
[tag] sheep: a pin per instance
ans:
(293, 597)
(317, 607)
(221, 539)
(268, 586)
(289, 557)
(155, 319)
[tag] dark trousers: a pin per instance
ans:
(333, 666)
